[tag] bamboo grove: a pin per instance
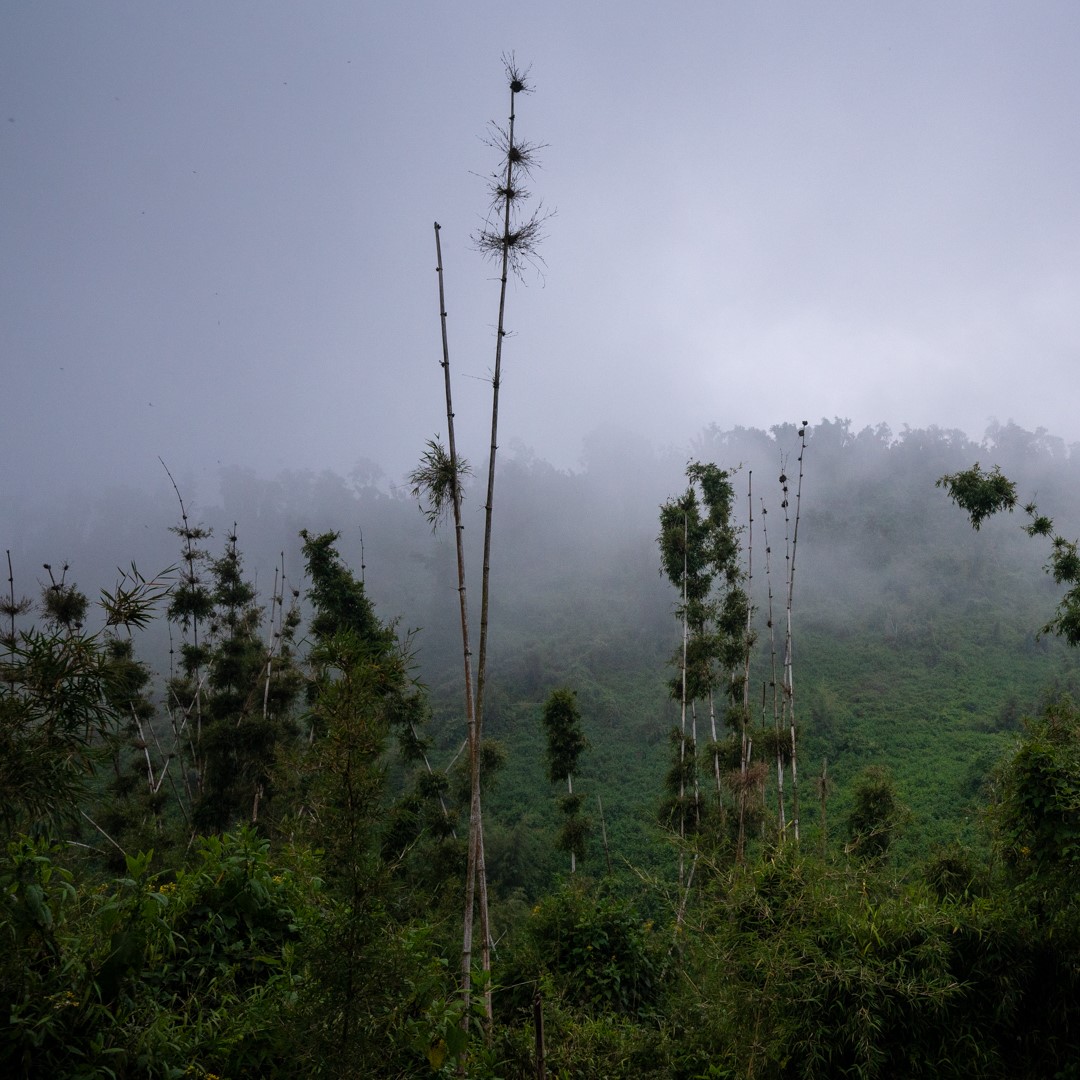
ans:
(704, 559)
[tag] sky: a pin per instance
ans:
(217, 246)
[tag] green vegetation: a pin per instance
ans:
(256, 866)
(565, 744)
(259, 843)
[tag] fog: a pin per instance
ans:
(218, 244)
(575, 567)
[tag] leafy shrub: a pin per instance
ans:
(146, 976)
(592, 951)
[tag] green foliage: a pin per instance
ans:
(591, 950)
(575, 830)
(132, 602)
(875, 815)
(65, 695)
(983, 494)
(436, 480)
(799, 969)
(586, 1046)
(147, 976)
(246, 707)
(322, 946)
(341, 604)
(1037, 814)
(63, 605)
(230, 706)
(953, 874)
(53, 712)
(191, 602)
(980, 494)
(565, 738)
(1064, 568)
(565, 743)
(700, 555)
(682, 808)
(341, 775)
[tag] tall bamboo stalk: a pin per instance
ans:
(824, 785)
(749, 595)
(475, 814)
(515, 241)
(505, 245)
(12, 608)
(715, 750)
(682, 704)
(273, 635)
(570, 792)
(781, 823)
(189, 534)
(789, 684)
(510, 243)
(747, 734)
(603, 834)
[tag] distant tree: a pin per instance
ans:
(683, 562)
(565, 743)
(981, 495)
(700, 555)
(876, 814)
(252, 686)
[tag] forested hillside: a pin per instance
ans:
(916, 641)
(916, 654)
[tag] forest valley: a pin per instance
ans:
(806, 803)
(256, 864)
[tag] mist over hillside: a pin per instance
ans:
(904, 618)
(869, 510)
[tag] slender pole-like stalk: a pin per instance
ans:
(189, 557)
(570, 792)
(715, 749)
(509, 244)
(603, 834)
(475, 856)
(697, 784)
(508, 194)
(781, 824)
(749, 596)
(276, 601)
(823, 795)
(747, 737)
(789, 685)
(12, 608)
(682, 703)
(496, 381)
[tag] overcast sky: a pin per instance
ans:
(217, 238)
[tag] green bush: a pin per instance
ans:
(592, 951)
(148, 975)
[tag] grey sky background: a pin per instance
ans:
(216, 226)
